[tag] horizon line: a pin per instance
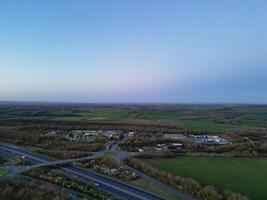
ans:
(127, 103)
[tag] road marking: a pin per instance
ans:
(105, 183)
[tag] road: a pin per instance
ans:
(110, 185)
(161, 185)
(121, 155)
(61, 162)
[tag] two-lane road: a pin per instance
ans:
(110, 185)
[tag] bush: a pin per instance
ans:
(209, 193)
(11, 190)
(107, 165)
(235, 196)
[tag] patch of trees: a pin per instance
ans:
(109, 166)
(11, 190)
(263, 147)
(186, 185)
(146, 140)
(244, 149)
(239, 149)
(156, 154)
(33, 138)
(101, 125)
(256, 135)
(2, 160)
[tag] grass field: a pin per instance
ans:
(244, 175)
(196, 119)
(193, 117)
(3, 171)
(209, 126)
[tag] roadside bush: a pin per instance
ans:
(162, 154)
(263, 147)
(2, 160)
(235, 196)
(11, 190)
(209, 193)
(108, 166)
(190, 186)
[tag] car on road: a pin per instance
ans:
(96, 184)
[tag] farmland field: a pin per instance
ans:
(209, 126)
(244, 175)
(193, 117)
(3, 171)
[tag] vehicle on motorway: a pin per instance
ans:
(96, 184)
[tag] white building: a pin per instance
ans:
(175, 136)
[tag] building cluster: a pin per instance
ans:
(80, 136)
(209, 139)
(174, 147)
(178, 147)
(175, 136)
(203, 139)
(91, 135)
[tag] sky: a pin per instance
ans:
(158, 51)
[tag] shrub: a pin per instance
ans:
(235, 196)
(209, 193)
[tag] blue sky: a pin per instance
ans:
(177, 51)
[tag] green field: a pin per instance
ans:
(193, 117)
(3, 171)
(209, 126)
(163, 118)
(244, 175)
(187, 124)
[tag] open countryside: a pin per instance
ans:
(197, 118)
(3, 171)
(133, 100)
(245, 175)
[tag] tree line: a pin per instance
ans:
(17, 190)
